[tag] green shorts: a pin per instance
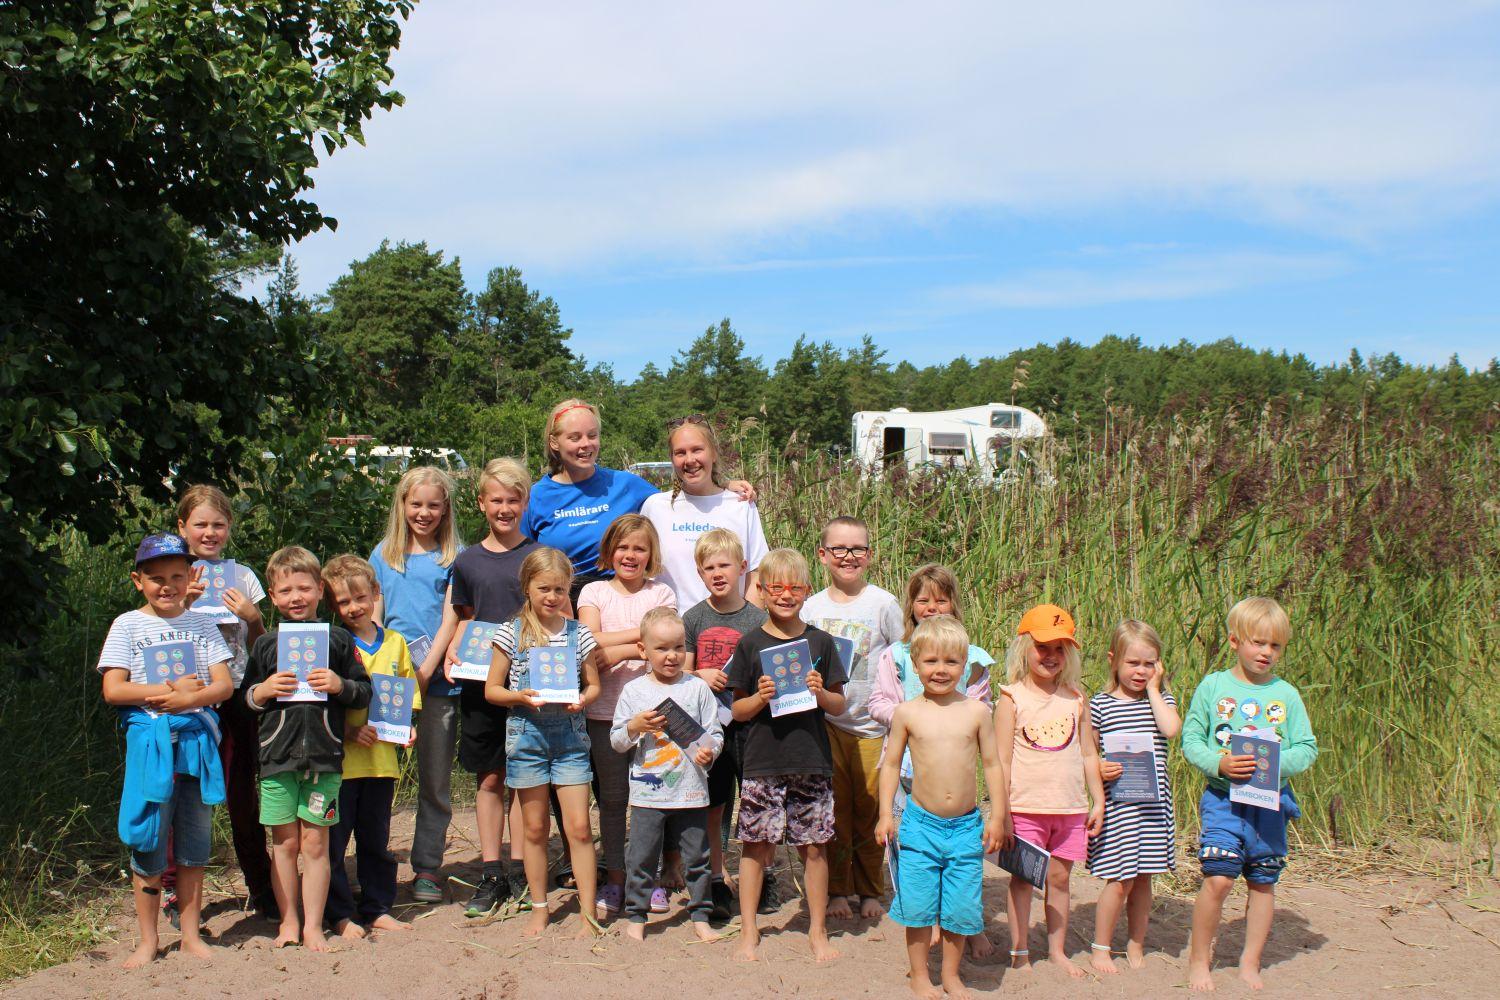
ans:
(293, 795)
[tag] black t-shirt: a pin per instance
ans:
(795, 743)
(490, 582)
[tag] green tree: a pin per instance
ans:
(133, 131)
(521, 339)
(713, 374)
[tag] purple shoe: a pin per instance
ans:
(610, 898)
(660, 903)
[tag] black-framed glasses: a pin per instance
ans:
(844, 551)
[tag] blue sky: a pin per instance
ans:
(952, 178)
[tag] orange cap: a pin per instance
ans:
(1047, 623)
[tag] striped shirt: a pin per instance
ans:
(1139, 838)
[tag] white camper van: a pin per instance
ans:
(978, 438)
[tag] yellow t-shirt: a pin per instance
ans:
(378, 761)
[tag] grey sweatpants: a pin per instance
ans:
(685, 830)
(612, 790)
(437, 738)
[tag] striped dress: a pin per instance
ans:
(1139, 838)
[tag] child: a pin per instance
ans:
(870, 619)
(712, 629)
(1047, 747)
(302, 760)
(204, 518)
(668, 783)
(547, 745)
(487, 587)
(788, 788)
(1139, 839)
(413, 566)
(942, 839)
(370, 765)
(173, 776)
(612, 609)
(1239, 839)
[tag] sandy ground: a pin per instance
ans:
(1361, 931)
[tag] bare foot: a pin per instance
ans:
(745, 950)
(196, 947)
(537, 921)
(924, 989)
(870, 908)
(288, 934)
(1200, 979)
(838, 908)
(822, 951)
(144, 954)
(705, 933)
(980, 946)
(349, 929)
(1065, 963)
(1020, 961)
(956, 989)
(386, 922)
(589, 928)
(635, 930)
(313, 939)
(1100, 960)
(1251, 975)
(1135, 955)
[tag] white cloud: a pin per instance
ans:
(585, 134)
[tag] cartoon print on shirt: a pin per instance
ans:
(1250, 708)
(664, 763)
(1053, 735)
(1276, 712)
(1225, 707)
(1222, 732)
(858, 633)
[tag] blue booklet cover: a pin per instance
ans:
(474, 650)
(170, 661)
(218, 576)
(390, 707)
(1136, 753)
(788, 666)
(1025, 860)
(554, 673)
(1264, 787)
(302, 647)
(846, 653)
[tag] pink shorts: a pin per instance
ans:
(1066, 835)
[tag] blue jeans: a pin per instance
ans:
(1239, 839)
(187, 824)
(546, 747)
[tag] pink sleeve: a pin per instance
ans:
(666, 597)
(980, 690)
(887, 693)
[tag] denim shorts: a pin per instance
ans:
(546, 747)
(189, 823)
(1240, 839)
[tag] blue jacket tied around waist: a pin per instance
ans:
(152, 759)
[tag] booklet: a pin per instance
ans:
(680, 727)
(390, 708)
(1025, 860)
(554, 674)
(474, 651)
(419, 648)
(1136, 752)
(218, 576)
(1264, 787)
(845, 646)
(169, 661)
(302, 647)
(788, 666)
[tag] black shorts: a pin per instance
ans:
(726, 769)
(481, 735)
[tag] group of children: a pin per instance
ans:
(874, 769)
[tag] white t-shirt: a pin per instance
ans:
(871, 622)
(233, 628)
(507, 639)
(679, 524)
(133, 634)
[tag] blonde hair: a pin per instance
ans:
(507, 473)
(203, 495)
(544, 561)
(1019, 651)
(619, 528)
(844, 521)
(1128, 631)
(938, 577)
(398, 535)
(710, 437)
(292, 559)
(942, 632)
(1254, 612)
(658, 616)
(785, 566)
(549, 430)
(719, 541)
(342, 569)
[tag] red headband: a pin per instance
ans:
(576, 406)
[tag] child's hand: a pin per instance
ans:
(717, 680)
(365, 736)
(814, 681)
(278, 685)
(996, 835)
(191, 684)
(413, 741)
(704, 756)
(1109, 770)
(1153, 683)
(1096, 820)
(765, 687)
(1237, 767)
(649, 721)
(885, 830)
(742, 489)
(1007, 833)
(323, 679)
(534, 699)
(242, 607)
(195, 587)
(176, 700)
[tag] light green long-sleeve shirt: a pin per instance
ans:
(1224, 705)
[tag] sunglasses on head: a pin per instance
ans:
(692, 418)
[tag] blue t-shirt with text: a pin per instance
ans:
(573, 517)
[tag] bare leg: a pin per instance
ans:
(1018, 917)
(980, 946)
(285, 841)
(315, 875)
(517, 828)
(575, 809)
(534, 806)
(815, 868)
(1208, 909)
(953, 951)
(753, 861)
(190, 906)
(715, 841)
(918, 941)
(489, 814)
(147, 908)
(1059, 900)
(1138, 916)
(1259, 911)
(1111, 900)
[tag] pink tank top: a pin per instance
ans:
(1046, 764)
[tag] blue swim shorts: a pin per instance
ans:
(940, 871)
(1240, 839)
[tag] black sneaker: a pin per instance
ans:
(770, 895)
(488, 896)
(722, 899)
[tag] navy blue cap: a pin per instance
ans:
(164, 544)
